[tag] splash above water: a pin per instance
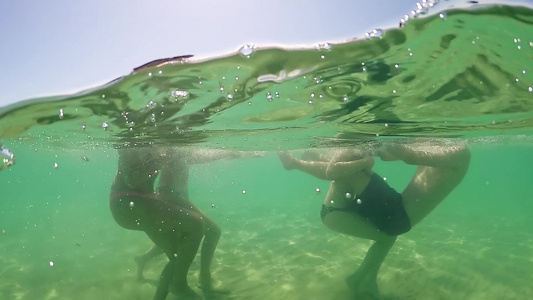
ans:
(463, 73)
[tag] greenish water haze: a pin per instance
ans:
(462, 78)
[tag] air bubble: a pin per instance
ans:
(310, 102)
(85, 158)
(348, 196)
(269, 96)
(531, 88)
(51, 263)
(317, 190)
(244, 191)
(83, 127)
(230, 97)
(179, 94)
(61, 114)
(55, 165)
(105, 125)
(443, 16)
(358, 201)
(132, 204)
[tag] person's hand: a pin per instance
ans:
(387, 153)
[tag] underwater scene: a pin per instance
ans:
(256, 173)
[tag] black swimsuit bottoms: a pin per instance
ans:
(380, 204)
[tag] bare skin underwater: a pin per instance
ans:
(440, 169)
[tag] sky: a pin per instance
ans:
(59, 47)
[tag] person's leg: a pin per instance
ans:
(315, 168)
(141, 260)
(440, 170)
(178, 232)
(211, 237)
(363, 282)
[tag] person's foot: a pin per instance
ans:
(211, 287)
(184, 293)
(363, 287)
(287, 159)
(141, 262)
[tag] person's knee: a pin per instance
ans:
(462, 158)
(213, 231)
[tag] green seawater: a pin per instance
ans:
(464, 78)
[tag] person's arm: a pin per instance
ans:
(209, 155)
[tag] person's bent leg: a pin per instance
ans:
(363, 282)
(178, 232)
(141, 260)
(440, 170)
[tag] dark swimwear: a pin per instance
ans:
(380, 204)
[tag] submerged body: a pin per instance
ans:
(389, 213)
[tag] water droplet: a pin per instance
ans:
(236, 78)
(150, 74)
(61, 114)
(85, 158)
(244, 191)
(51, 263)
(443, 16)
(322, 56)
(221, 89)
(230, 97)
(247, 50)
(83, 127)
(310, 102)
(103, 96)
(385, 178)
(213, 205)
(3, 231)
(323, 46)
(277, 94)
(55, 165)
(396, 66)
(376, 33)
(364, 69)
(345, 99)
(105, 125)
(358, 201)
(394, 91)
(269, 96)
(132, 204)
(160, 72)
(348, 196)
(386, 124)
(8, 158)
(317, 190)
(531, 88)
